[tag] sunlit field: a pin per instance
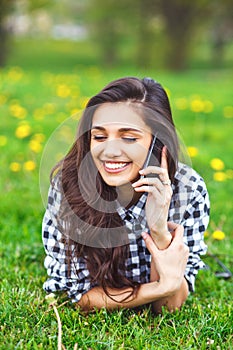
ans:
(39, 90)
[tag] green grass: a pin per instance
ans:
(26, 321)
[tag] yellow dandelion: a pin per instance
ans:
(218, 235)
(18, 111)
(39, 137)
(63, 91)
(23, 131)
(3, 140)
(192, 151)
(217, 164)
(35, 146)
(15, 167)
(181, 103)
(220, 176)
(30, 165)
(197, 105)
(228, 112)
(206, 234)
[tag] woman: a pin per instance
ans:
(125, 220)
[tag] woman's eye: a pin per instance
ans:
(99, 137)
(129, 139)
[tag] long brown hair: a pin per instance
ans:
(84, 221)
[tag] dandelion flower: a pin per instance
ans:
(192, 151)
(63, 91)
(197, 105)
(39, 137)
(30, 165)
(217, 164)
(218, 235)
(23, 131)
(18, 111)
(35, 146)
(220, 176)
(15, 167)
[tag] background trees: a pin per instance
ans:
(139, 31)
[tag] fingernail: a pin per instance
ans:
(144, 234)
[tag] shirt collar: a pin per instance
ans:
(134, 211)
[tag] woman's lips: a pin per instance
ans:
(115, 167)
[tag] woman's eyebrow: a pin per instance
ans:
(97, 127)
(130, 129)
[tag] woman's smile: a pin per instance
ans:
(115, 167)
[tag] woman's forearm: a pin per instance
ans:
(147, 293)
(174, 301)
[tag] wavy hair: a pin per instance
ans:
(88, 228)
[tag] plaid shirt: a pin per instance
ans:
(189, 207)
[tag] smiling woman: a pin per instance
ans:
(119, 231)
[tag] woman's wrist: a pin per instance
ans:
(162, 239)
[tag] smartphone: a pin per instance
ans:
(150, 161)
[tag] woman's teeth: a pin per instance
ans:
(115, 165)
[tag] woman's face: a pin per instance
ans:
(119, 142)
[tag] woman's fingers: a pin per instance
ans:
(161, 171)
(149, 243)
(149, 182)
(178, 230)
(164, 164)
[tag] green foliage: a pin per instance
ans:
(41, 88)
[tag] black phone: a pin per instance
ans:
(156, 159)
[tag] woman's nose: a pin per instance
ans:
(112, 149)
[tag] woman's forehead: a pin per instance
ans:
(120, 114)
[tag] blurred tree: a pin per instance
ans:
(146, 35)
(182, 17)
(138, 18)
(222, 30)
(6, 7)
(108, 22)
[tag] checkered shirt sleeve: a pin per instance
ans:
(75, 283)
(190, 207)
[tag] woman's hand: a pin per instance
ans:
(158, 201)
(170, 263)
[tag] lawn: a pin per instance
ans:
(42, 86)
